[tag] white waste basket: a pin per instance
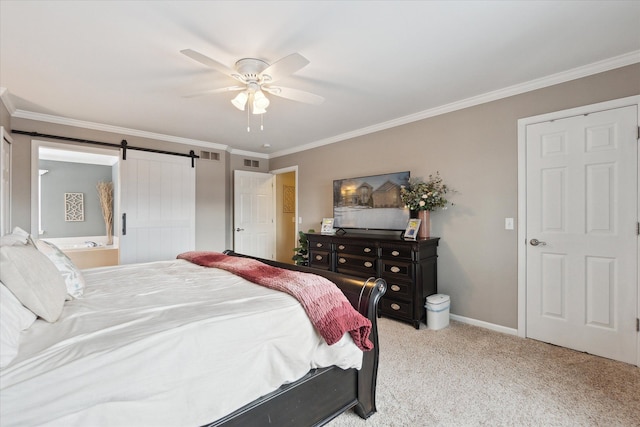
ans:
(438, 311)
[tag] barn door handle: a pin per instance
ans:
(124, 224)
(536, 242)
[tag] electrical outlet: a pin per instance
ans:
(508, 223)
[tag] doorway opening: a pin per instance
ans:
(286, 195)
(66, 209)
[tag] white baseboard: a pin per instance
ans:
(483, 324)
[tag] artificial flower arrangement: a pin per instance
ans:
(425, 196)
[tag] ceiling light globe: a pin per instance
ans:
(260, 101)
(240, 100)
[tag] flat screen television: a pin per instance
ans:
(370, 202)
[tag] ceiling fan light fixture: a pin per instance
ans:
(256, 110)
(240, 100)
(260, 102)
(256, 77)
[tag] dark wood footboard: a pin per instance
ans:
(322, 394)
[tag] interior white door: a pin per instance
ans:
(253, 214)
(582, 242)
(157, 204)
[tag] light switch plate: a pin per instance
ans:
(508, 223)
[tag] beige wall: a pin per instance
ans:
(475, 150)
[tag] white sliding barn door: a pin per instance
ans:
(157, 198)
(582, 242)
(253, 214)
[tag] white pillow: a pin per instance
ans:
(17, 237)
(73, 278)
(33, 279)
(14, 318)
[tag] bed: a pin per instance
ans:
(178, 343)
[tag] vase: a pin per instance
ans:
(109, 235)
(424, 232)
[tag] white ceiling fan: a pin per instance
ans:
(257, 77)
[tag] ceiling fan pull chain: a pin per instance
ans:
(261, 121)
(248, 120)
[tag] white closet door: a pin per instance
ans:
(157, 207)
(582, 200)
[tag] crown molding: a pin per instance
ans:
(562, 77)
(248, 153)
(21, 114)
(6, 100)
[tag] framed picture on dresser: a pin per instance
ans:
(327, 226)
(412, 229)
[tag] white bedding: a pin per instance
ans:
(164, 344)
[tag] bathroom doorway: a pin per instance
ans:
(66, 205)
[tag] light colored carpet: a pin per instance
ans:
(469, 376)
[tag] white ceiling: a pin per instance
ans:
(377, 64)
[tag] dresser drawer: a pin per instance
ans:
(401, 253)
(391, 269)
(396, 308)
(357, 249)
(315, 244)
(364, 265)
(399, 290)
(320, 259)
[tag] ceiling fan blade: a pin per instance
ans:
(294, 94)
(205, 60)
(285, 66)
(212, 91)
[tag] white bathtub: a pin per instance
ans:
(88, 251)
(84, 242)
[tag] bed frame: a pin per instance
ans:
(322, 394)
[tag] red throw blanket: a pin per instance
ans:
(328, 309)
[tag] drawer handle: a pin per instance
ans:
(318, 245)
(395, 253)
(342, 260)
(395, 306)
(367, 250)
(395, 288)
(368, 264)
(341, 247)
(319, 257)
(395, 269)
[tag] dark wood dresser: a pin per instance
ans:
(409, 267)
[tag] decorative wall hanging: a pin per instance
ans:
(288, 199)
(73, 206)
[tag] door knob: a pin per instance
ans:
(239, 229)
(536, 242)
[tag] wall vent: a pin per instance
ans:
(252, 163)
(209, 155)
